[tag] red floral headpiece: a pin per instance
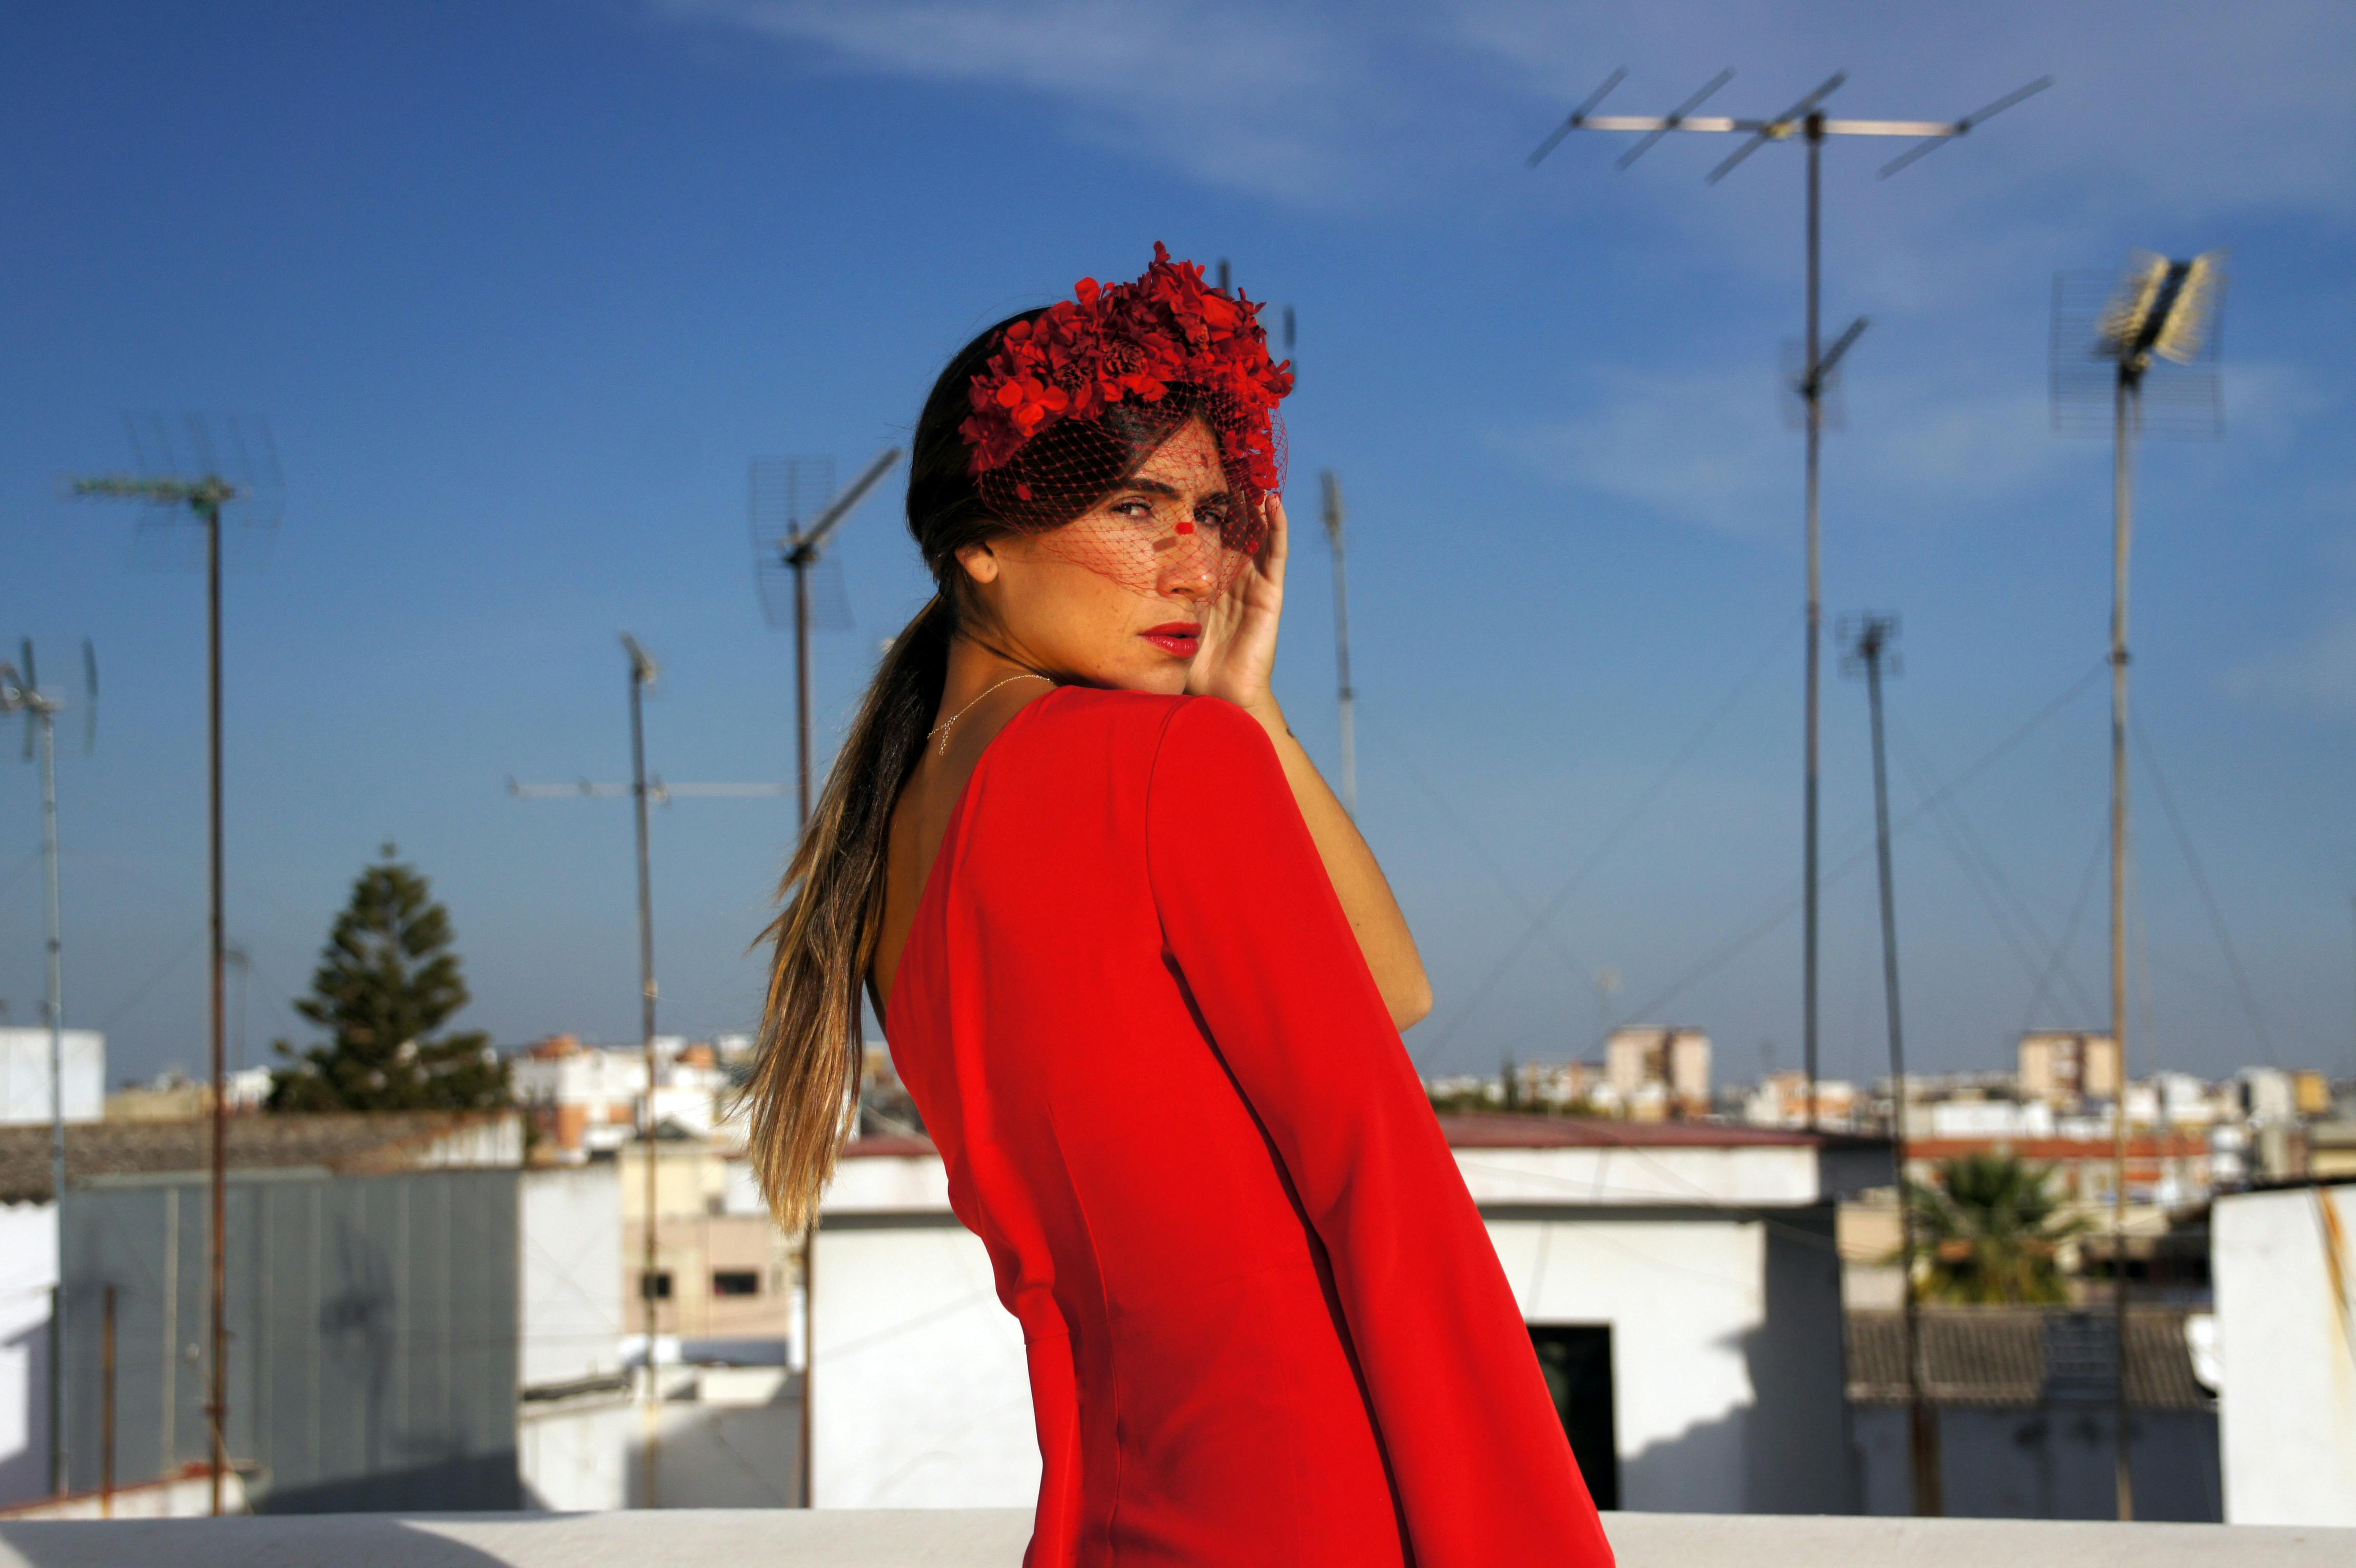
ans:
(1129, 342)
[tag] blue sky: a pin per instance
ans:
(520, 289)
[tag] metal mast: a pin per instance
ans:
(1805, 120)
(2161, 309)
(20, 689)
(205, 497)
(1868, 638)
(1348, 696)
(797, 549)
(645, 790)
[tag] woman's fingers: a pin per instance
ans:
(1278, 546)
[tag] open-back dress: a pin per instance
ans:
(1264, 1321)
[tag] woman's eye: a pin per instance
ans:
(1136, 511)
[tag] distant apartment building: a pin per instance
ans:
(1782, 1100)
(2065, 1069)
(725, 1276)
(1655, 1073)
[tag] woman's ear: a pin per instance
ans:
(981, 562)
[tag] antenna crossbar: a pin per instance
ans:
(657, 791)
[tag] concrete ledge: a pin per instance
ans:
(994, 1537)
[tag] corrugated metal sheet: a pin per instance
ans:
(372, 1325)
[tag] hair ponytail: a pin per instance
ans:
(804, 1086)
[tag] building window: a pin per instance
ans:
(656, 1285)
(1576, 1360)
(735, 1281)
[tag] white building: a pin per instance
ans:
(2285, 1265)
(588, 1099)
(1685, 1275)
(25, 1076)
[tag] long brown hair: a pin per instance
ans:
(805, 1087)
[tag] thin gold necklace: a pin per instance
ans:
(942, 729)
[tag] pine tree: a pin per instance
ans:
(387, 980)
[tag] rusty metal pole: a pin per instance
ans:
(2122, 537)
(216, 1405)
(640, 672)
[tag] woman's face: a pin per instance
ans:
(1116, 597)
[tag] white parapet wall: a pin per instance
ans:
(2285, 1267)
(29, 1275)
(1703, 1272)
(958, 1538)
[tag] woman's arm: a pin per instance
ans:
(1238, 655)
(1358, 881)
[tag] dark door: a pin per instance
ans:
(1577, 1359)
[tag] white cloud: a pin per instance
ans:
(2317, 676)
(2172, 112)
(1707, 447)
(1248, 96)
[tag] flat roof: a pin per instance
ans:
(350, 1144)
(1509, 1132)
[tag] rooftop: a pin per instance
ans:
(346, 1144)
(994, 1537)
(1503, 1131)
(2019, 1355)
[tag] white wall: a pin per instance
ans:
(1681, 1297)
(570, 1234)
(2286, 1345)
(575, 1455)
(921, 1396)
(1775, 1174)
(29, 1271)
(25, 1076)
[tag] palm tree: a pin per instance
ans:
(1991, 1231)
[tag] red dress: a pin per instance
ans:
(1264, 1321)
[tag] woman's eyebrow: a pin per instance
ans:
(1152, 487)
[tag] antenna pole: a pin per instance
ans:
(1815, 422)
(799, 560)
(1805, 120)
(208, 507)
(2125, 394)
(58, 1417)
(1348, 695)
(1875, 634)
(650, 1400)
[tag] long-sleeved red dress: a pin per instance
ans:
(1264, 1321)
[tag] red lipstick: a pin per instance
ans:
(1178, 639)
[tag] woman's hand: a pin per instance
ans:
(1237, 656)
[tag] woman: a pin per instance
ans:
(1145, 984)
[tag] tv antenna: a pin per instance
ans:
(2143, 343)
(1806, 120)
(793, 511)
(196, 468)
(643, 791)
(20, 692)
(1349, 696)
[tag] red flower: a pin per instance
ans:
(1132, 341)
